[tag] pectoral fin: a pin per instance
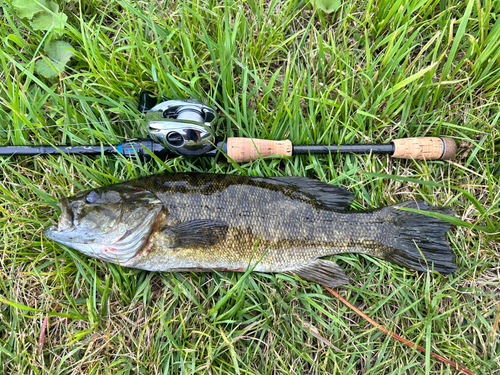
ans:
(322, 272)
(196, 233)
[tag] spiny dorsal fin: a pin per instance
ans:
(197, 233)
(334, 197)
(322, 272)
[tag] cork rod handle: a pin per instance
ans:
(248, 149)
(424, 148)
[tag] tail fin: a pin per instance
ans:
(421, 243)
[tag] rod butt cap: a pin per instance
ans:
(450, 148)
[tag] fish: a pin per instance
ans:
(176, 222)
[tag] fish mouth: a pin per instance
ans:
(50, 231)
(64, 224)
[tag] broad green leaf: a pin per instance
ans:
(28, 8)
(47, 20)
(45, 69)
(328, 6)
(58, 53)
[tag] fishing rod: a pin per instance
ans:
(186, 128)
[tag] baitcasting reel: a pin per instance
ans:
(183, 126)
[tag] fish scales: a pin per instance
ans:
(205, 222)
(278, 229)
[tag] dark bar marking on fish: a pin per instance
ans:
(323, 272)
(394, 335)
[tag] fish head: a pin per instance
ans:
(111, 223)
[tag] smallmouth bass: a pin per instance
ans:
(204, 222)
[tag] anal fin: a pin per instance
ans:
(322, 272)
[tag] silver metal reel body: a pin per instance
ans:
(183, 126)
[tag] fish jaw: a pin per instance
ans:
(51, 232)
(118, 247)
(65, 237)
(117, 240)
(65, 231)
(64, 224)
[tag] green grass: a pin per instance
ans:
(368, 73)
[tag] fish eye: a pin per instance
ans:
(92, 197)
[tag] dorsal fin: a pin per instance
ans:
(334, 197)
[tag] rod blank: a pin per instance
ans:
(49, 150)
(343, 149)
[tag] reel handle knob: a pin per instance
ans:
(147, 100)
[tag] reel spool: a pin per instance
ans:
(183, 126)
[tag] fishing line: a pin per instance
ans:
(394, 335)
